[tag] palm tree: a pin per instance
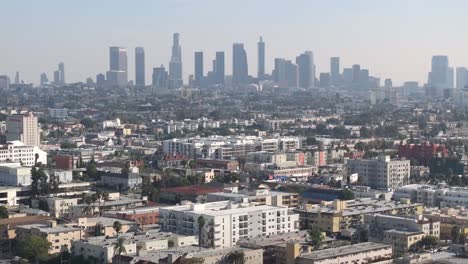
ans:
(201, 224)
(117, 227)
(119, 247)
(233, 257)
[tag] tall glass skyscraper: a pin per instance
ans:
(117, 74)
(139, 66)
(261, 59)
(335, 70)
(198, 68)
(305, 61)
(239, 64)
(175, 65)
(219, 72)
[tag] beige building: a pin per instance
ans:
(24, 128)
(332, 217)
(259, 197)
(402, 240)
(104, 226)
(449, 218)
(415, 223)
(362, 253)
(59, 236)
(58, 206)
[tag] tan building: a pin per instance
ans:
(58, 206)
(24, 128)
(59, 236)
(449, 219)
(402, 240)
(332, 217)
(104, 226)
(362, 253)
(259, 197)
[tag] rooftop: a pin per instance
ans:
(345, 250)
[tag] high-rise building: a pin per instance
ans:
(17, 78)
(451, 79)
(305, 62)
(439, 76)
(324, 79)
(117, 75)
(239, 64)
(175, 65)
(61, 69)
(44, 78)
(160, 78)
(218, 69)
(364, 78)
(335, 70)
(199, 74)
(140, 67)
(462, 78)
(4, 82)
(286, 73)
(356, 73)
(100, 80)
(261, 59)
(347, 75)
(56, 77)
(24, 128)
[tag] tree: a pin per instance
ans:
(457, 236)
(233, 257)
(68, 145)
(201, 224)
(347, 194)
(34, 182)
(315, 236)
(119, 246)
(117, 227)
(44, 187)
(3, 212)
(184, 260)
(33, 248)
(87, 122)
(91, 170)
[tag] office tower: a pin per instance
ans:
(198, 68)
(451, 81)
(56, 77)
(4, 82)
(44, 78)
(117, 76)
(24, 128)
(100, 80)
(388, 83)
(17, 78)
(324, 79)
(239, 64)
(218, 68)
(348, 75)
(364, 78)
(286, 73)
(305, 62)
(139, 66)
(61, 69)
(356, 73)
(335, 70)
(160, 78)
(462, 77)
(261, 59)
(175, 65)
(439, 75)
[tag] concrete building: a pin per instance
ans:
(259, 197)
(81, 210)
(129, 180)
(440, 195)
(17, 151)
(14, 174)
(417, 223)
(58, 206)
(362, 253)
(332, 217)
(103, 226)
(141, 216)
(402, 240)
(227, 222)
(381, 173)
(449, 219)
(24, 128)
(59, 236)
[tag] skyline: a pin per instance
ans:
(401, 51)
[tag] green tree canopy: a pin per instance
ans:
(33, 248)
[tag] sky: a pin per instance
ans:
(392, 38)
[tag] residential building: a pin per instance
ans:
(58, 206)
(24, 128)
(227, 222)
(83, 210)
(379, 222)
(8, 225)
(380, 173)
(440, 195)
(422, 153)
(332, 217)
(142, 215)
(258, 197)
(362, 253)
(103, 226)
(402, 240)
(14, 174)
(59, 236)
(449, 218)
(129, 180)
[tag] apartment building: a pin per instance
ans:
(402, 240)
(280, 159)
(17, 151)
(449, 219)
(103, 226)
(84, 210)
(417, 223)
(380, 173)
(228, 147)
(58, 206)
(227, 222)
(142, 216)
(259, 197)
(334, 216)
(440, 195)
(362, 253)
(59, 236)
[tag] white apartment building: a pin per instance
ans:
(227, 222)
(58, 206)
(439, 195)
(220, 147)
(17, 151)
(13, 174)
(379, 222)
(381, 173)
(24, 128)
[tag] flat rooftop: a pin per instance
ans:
(223, 208)
(344, 251)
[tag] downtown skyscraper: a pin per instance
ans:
(261, 59)
(175, 65)
(335, 70)
(218, 69)
(239, 64)
(117, 75)
(305, 61)
(199, 74)
(139, 66)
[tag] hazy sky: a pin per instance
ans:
(393, 38)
